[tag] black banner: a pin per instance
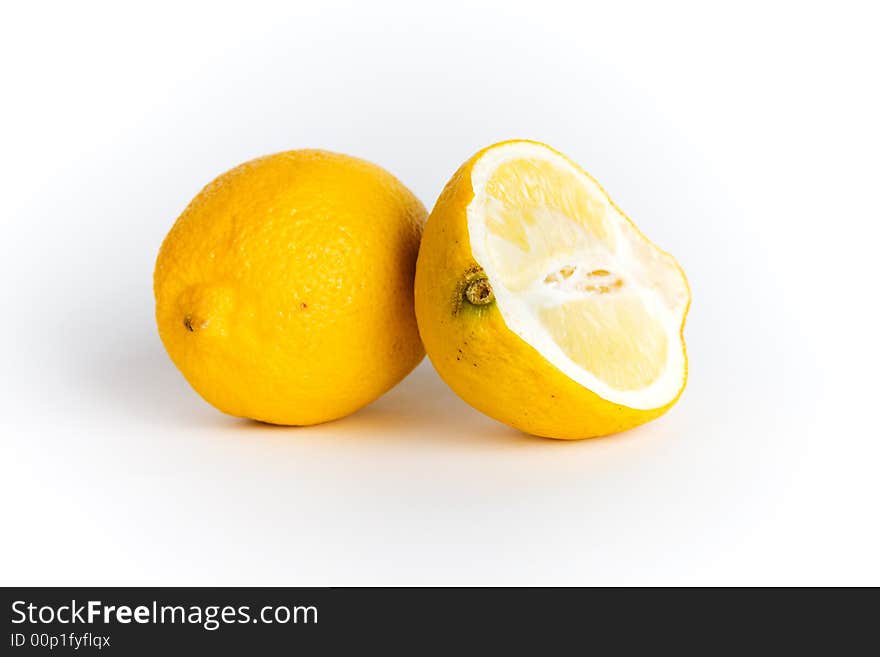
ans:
(152, 621)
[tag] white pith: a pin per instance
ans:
(650, 274)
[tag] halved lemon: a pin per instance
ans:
(541, 304)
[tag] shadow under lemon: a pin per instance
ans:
(422, 409)
(131, 374)
(419, 408)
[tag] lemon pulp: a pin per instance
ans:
(575, 279)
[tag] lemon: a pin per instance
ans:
(284, 290)
(542, 305)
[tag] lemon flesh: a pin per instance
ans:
(575, 279)
(540, 302)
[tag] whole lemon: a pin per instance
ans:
(284, 292)
(542, 305)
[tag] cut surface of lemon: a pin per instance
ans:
(575, 279)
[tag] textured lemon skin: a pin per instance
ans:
(483, 361)
(284, 290)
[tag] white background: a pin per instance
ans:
(742, 138)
